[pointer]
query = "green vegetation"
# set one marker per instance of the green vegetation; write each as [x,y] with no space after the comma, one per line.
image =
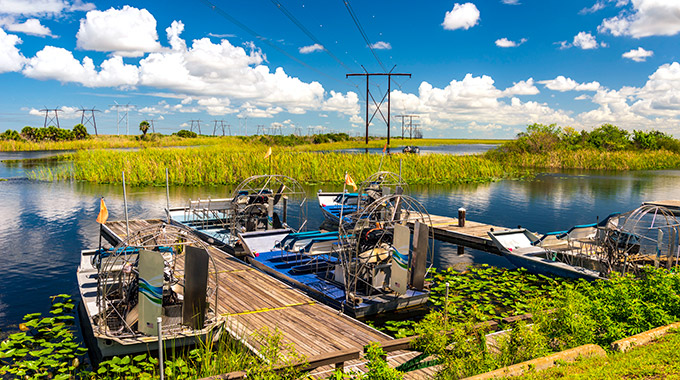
[660,359]
[11,135]
[230,164]
[605,148]
[45,347]
[186,134]
[565,315]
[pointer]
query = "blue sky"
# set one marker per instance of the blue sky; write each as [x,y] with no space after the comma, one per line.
[478,69]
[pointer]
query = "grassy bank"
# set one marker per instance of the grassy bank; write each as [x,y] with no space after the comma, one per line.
[231,164]
[111,142]
[590,159]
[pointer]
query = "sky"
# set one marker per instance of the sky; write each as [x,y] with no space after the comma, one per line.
[478,69]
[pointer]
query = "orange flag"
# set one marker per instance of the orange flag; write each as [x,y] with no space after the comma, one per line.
[103,212]
[350,182]
[385,147]
[269,153]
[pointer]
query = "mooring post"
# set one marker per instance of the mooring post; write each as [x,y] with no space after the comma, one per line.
[159,322]
[127,221]
[167,193]
[461,217]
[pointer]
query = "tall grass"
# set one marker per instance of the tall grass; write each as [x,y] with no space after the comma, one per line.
[111,141]
[231,164]
[591,159]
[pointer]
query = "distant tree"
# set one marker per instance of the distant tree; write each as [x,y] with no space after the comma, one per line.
[80,132]
[144,127]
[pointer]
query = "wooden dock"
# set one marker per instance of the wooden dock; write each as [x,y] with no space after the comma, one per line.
[473,234]
[253,302]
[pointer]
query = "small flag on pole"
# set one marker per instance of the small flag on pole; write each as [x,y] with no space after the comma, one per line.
[350,182]
[269,153]
[385,147]
[103,212]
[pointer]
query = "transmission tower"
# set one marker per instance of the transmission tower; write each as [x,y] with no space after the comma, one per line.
[369,96]
[221,126]
[243,122]
[124,108]
[153,128]
[198,125]
[261,130]
[49,119]
[408,126]
[298,131]
[84,120]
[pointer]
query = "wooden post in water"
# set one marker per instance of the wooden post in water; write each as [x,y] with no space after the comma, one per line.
[167,193]
[159,322]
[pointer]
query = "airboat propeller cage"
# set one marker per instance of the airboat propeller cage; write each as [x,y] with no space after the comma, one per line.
[163,270]
[262,202]
[387,246]
[380,184]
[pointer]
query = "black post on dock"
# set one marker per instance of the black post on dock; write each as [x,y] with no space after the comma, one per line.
[461,223]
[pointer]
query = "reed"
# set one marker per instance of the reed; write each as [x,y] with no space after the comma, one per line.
[591,159]
[230,164]
[112,142]
[394,143]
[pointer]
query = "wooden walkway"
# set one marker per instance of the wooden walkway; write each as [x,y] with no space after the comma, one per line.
[473,235]
[253,302]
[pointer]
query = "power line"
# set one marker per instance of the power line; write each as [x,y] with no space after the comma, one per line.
[84,120]
[363,33]
[233,20]
[307,32]
[49,119]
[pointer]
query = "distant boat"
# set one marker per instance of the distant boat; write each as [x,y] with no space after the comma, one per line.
[411,149]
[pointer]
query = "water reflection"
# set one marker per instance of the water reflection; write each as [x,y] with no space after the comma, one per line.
[45,225]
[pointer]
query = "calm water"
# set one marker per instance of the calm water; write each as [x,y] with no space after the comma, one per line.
[44,225]
[454,149]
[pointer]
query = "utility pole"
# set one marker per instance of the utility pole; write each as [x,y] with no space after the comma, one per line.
[198,124]
[49,119]
[221,126]
[410,125]
[377,105]
[153,127]
[84,120]
[125,108]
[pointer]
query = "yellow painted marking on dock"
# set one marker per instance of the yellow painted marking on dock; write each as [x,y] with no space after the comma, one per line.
[268,309]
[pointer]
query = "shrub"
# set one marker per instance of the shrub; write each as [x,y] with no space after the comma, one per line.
[10,134]
[608,137]
[186,134]
[80,132]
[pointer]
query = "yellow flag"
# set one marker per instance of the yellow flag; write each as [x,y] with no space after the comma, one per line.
[103,212]
[350,182]
[269,153]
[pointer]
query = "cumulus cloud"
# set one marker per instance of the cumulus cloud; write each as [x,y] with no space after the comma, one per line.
[31,26]
[10,57]
[310,49]
[525,87]
[585,41]
[382,45]
[645,18]
[347,104]
[510,2]
[59,64]
[505,43]
[563,84]
[128,32]
[638,55]
[42,7]
[462,16]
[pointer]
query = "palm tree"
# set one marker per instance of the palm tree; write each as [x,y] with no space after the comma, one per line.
[144,127]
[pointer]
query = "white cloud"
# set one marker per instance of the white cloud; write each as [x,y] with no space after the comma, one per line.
[311,48]
[462,16]
[505,43]
[522,88]
[80,5]
[510,2]
[596,7]
[382,45]
[646,18]
[31,26]
[128,32]
[585,41]
[347,104]
[32,7]
[10,57]
[563,84]
[638,55]
[59,64]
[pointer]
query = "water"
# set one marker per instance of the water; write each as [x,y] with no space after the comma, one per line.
[45,225]
[453,149]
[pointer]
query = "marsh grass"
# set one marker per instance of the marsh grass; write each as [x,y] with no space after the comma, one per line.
[230,164]
[112,142]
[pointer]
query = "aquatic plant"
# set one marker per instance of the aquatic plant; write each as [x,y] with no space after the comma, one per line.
[45,347]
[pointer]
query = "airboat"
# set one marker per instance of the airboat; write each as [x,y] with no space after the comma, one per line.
[623,243]
[373,263]
[162,271]
[333,204]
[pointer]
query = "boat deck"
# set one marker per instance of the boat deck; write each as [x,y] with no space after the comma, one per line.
[473,234]
[253,302]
